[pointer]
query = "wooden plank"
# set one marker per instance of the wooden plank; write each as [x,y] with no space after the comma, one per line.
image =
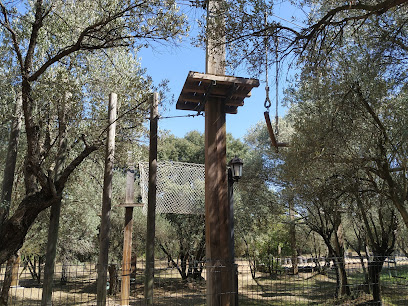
[270,130]
[215,91]
[198,98]
[276,144]
[223,79]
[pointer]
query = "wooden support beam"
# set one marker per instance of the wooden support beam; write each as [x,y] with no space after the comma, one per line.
[127,235]
[220,279]
[106,203]
[151,206]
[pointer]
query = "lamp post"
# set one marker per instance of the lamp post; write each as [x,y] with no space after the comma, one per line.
[234,174]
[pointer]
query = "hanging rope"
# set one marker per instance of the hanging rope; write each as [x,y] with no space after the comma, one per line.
[267,103]
[276,84]
[272,134]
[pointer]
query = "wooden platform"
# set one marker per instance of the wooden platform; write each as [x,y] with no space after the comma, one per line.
[199,87]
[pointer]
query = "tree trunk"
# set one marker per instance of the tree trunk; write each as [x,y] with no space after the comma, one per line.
[15,228]
[7,280]
[343,289]
[183,270]
[366,278]
[8,181]
[374,269]
[10,163]
[51,254]
[292,233]
[55,209]
[113,279]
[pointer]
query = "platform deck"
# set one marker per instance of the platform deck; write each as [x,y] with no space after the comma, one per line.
[199,87]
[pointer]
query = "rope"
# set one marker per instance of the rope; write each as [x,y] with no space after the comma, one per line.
[276,85]
[267,103]
[182,116]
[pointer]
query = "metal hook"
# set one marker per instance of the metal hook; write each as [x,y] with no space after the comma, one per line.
[267,103]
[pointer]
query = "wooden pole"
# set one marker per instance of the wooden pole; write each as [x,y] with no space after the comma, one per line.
[127,236]
[151,206]
[220,277]
[106,203]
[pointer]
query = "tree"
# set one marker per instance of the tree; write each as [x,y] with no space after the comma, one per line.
[347,131]
[380,225]
[44,36]
[260,223]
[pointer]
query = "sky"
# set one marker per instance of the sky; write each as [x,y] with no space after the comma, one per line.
[174,63]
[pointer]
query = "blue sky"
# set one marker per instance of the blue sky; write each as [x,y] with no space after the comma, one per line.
[174,63]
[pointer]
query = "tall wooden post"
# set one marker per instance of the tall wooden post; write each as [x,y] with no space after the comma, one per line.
[151,206]
[218,94]
[127,236]
[217,214]
[106,203]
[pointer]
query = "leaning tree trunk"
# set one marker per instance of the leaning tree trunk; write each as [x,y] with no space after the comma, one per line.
[10,163]
[7,280]
[7,187]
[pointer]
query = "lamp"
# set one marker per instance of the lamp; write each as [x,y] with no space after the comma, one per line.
[236,168]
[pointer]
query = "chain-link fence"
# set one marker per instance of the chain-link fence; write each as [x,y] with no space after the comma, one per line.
[315,283]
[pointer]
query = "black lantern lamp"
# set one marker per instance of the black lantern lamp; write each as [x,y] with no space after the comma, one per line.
[236,168]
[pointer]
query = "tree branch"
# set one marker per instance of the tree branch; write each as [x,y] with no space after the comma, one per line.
[7,25]
[60,183]
[37,24]
[79,44]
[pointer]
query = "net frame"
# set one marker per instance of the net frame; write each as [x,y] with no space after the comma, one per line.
[180,187]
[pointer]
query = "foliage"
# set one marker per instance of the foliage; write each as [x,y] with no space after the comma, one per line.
[65,58]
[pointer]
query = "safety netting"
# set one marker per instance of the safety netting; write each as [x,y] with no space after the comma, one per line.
[180,187]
